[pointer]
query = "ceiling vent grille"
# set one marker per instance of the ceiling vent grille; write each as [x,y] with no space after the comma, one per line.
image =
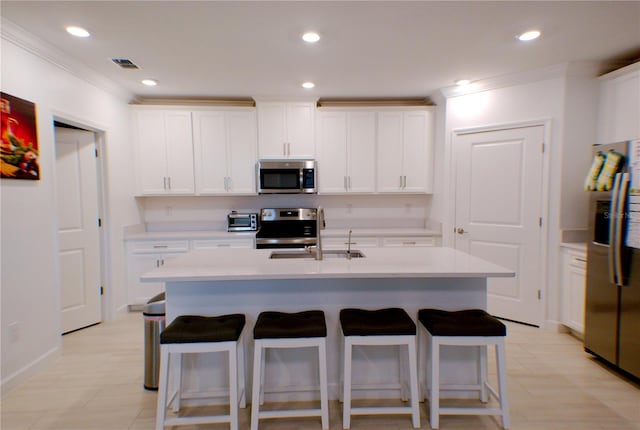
[125,63]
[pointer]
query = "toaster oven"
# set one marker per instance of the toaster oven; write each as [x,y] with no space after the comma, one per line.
[242,221]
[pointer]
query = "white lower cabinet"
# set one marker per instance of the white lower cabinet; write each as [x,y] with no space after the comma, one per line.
[356,242]
[408,241]
[244,242]
[144,256]
[574,268]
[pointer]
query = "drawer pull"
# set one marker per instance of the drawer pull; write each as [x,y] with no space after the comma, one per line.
[223,245]
[582,260]
[160,246]
[409,243]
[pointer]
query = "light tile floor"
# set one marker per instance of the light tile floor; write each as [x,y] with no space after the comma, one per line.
[97,385]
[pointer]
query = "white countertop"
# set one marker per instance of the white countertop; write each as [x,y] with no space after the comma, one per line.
[255,264]
[577,246]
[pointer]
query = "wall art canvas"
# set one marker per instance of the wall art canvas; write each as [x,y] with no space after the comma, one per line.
[19,133]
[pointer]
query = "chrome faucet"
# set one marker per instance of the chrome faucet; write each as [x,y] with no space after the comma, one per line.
[349,245]
[320,224]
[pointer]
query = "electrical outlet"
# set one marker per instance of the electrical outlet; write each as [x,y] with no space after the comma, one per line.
[14,333]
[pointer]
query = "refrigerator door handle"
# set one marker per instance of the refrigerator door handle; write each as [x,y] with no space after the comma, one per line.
[613,226]
[620,219]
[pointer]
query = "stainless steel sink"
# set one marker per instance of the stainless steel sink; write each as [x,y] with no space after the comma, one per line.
[327,254]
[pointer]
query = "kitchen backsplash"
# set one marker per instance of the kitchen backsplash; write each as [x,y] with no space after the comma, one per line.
[374,211]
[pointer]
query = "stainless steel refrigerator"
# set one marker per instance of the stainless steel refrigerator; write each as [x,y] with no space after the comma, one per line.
[612,313]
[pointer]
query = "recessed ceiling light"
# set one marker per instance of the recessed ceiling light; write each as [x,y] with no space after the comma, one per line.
[463,82]
[150,82]
[308,85]
[311,37]
[78,31]
[529,35]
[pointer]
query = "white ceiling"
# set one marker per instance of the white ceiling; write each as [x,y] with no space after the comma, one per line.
[368,49]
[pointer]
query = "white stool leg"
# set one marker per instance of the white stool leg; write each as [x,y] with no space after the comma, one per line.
[177,380]
[255,393]
[434,397]
[163,386]
[482,373]
[413,383]
[502,383]
[341,367]
[346,406]
[422,386]
[402,372]
[263,361]
[324,396]
[233,387]
[242,387]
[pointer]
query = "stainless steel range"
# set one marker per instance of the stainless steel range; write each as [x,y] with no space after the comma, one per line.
[287,228]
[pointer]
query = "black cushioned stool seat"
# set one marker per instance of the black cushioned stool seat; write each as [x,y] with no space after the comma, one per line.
[388,327]
[282,325]
[195,329]
[195,334]
[473,328]
[306,329]
[469,322]
[381,322]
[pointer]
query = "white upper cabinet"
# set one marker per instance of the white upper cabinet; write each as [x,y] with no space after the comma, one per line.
[285,129]
[164,152]
[225,146]
[619,105]
[346,152]
[405,151]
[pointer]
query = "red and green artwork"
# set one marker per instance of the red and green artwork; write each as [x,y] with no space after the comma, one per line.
[19,144]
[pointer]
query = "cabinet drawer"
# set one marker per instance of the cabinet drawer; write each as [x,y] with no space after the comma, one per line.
[223,243]
[408,241]
[577,260]
[356,242]
[153,246]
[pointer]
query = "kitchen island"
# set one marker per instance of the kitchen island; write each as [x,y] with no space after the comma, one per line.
[222,281]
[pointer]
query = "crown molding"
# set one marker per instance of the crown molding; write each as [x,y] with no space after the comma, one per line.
[20,37]
[374,102]
[494,83]
[195,101]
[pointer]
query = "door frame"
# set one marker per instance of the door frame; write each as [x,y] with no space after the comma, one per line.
[448,234]
[105,270]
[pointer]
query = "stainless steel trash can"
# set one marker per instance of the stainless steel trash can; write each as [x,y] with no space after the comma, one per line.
[153,314]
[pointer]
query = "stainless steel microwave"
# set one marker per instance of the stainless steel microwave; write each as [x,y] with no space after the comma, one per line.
[286,177]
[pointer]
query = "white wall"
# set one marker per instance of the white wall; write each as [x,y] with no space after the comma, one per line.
[30,289]
[564,100]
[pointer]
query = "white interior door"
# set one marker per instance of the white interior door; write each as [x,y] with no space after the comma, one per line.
[78,234]
[498,214]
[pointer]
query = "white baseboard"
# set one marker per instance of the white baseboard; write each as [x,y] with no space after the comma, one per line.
[27,371]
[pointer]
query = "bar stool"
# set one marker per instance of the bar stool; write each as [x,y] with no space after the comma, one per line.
[192,334]
[288,330]
[383,327]
[472,327]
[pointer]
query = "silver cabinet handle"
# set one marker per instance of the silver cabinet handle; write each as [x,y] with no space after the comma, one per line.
[400,181]
[288,149]
[349,182]
[164,182]
[404,182]
[169,181]
[228,183]
[344,182]
[160,246]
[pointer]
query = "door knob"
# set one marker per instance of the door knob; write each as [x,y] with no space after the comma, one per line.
[460,230]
